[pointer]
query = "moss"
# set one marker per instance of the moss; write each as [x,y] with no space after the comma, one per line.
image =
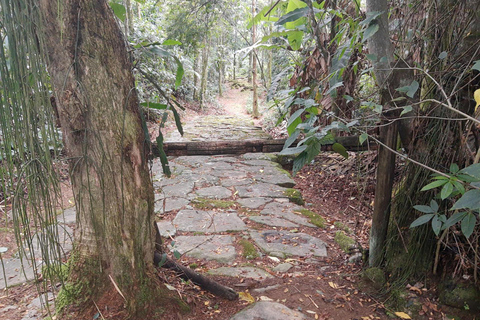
[249,251]
[344,241]
[294,196]
[205,203]
[460,295]
[193,266]
[341,226]
[315,219]
[198,233]
[374,277]
[55,272]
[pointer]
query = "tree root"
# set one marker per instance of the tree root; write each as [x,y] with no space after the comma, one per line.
[188,274]
[204,282]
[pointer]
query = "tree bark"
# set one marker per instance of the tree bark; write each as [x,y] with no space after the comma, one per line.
[255,113]
[203,84]
[104,140]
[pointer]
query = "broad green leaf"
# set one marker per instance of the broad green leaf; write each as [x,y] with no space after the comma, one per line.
[170,42]
[163,155]
[338,148]
[294,150]
[435,184]
[454,168]
[398,99]
[295,39]
[293,15]
[454,219]
[442,55]
[424,209]
[299,162]
[470,200]
[370,31]
[413,89]
[178,122]
[467,178]
[434,205]
[472,170]
[294,121]
[370,17]
[176,254]
[180,73]
[468,224]
[348,98]
[446,190]
[460,188]
[371,57]
[261,17]
[119,10]
[476,65]
[406,109]
[363,137]
[422,220]
[291,139]
[335,86]
[436,224]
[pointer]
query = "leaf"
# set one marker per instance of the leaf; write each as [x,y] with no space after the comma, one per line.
[153,105]
[446,190]
[454,219]
[178,122]
[299,162]
[338,148]
[476,65]
[294,150]
[435,184]
[119,10]
[468,224]
[370,31]
[454,168]
[180,73]
[176,254]
[291,139]
[293,16]
[371,57]
[413,89]
[442,55]
[333,285]
[171,42]
[245,296]
[3,249]
[363,137]
[424,209]
[470,200]
[472,170]
[421,220]
[460,188]
[434,205]
[436,224]
[406,109]
[402,315]
[163,155]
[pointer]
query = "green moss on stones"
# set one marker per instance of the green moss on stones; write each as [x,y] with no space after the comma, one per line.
[315,219]
[344,241]
[249,251]
[374,277]
[460,295]
[294,196]
[341,226]
[206,204]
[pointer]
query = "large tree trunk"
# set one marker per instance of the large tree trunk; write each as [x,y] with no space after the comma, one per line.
[204,80]
[255,113]
[103,136]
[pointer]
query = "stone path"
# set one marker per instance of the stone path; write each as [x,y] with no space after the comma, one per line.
[211,204]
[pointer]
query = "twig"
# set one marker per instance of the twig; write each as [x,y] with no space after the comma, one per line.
[270,10]
[313,301]
[116,287]
[100,312]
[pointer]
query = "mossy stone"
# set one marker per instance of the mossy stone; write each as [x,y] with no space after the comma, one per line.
[315,219]
[375,277]
[249,251]
[204,203]
[294,196]
[460,294]
[345,242]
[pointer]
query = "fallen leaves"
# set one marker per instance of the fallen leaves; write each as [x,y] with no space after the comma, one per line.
[245,296]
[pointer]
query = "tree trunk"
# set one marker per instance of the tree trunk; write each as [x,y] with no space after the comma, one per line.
[255,113]
[380,46]
[195,94]
[103,136]
[128,18]
[203,84]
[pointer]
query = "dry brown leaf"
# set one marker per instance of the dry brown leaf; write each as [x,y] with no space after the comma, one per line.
[402,315]
[245,296]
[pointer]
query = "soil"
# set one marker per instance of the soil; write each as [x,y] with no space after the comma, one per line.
[340,190]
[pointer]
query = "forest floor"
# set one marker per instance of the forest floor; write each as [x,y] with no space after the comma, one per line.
[332,287]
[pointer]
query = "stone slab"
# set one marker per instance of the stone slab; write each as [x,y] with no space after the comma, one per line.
[286,210]
[215,192]
[179,190]
[253,203]
[273,221]
[166,228]
[289,244]
[208,221]
[171,204]
[266,310]
[261,190]
[241,272]
[280,179]
[216,247]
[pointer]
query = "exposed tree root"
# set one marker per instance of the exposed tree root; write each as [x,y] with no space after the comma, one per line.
[188,274]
